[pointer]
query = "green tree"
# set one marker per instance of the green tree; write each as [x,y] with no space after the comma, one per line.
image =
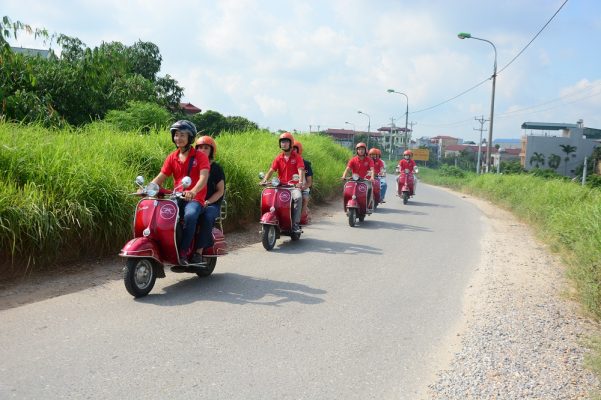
[209,123]
[139,116]
[169,93]
[239,124]
[554,161]
[568,149]
[145,59]
[538,159]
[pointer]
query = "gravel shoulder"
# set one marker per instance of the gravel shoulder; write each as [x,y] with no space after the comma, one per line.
[523,335]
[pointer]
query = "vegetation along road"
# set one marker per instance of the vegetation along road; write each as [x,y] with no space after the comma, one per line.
[391,309]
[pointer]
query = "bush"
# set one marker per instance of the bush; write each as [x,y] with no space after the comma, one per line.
[446,170]
[594,181]
[140,117]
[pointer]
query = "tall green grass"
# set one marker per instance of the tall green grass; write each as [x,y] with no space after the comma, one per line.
[564,214]
[64,194]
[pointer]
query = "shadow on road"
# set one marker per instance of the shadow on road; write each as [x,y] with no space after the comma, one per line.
[397,227]
[423,204]
[325,246]
[234,289]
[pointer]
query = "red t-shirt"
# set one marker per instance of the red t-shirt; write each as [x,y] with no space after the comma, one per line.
[179,169]
[360,167]
[406,164]
[287,168]
[379,166]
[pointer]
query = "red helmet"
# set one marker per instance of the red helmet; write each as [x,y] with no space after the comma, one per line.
[360,144]
[210,141]
[407,153]
[286,136]
[299,147]
[373,151]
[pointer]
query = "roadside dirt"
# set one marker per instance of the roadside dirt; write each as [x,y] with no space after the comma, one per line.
[75,277]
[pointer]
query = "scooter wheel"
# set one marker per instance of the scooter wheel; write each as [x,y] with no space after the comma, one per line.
[405,197]
[269,237]
[209,268]
[139,276]
[352,217]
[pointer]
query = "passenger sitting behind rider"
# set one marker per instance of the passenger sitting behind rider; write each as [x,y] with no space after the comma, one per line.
[298,147]
[362,166]
[288,164]
[379,170]
[215,193]
[186,161]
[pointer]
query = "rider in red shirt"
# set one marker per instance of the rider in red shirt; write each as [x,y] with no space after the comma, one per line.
[379,171]
[290,167]
[407,163]
[362,166]
[186,161]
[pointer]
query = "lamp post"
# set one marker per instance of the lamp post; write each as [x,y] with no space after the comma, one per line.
[354,133]
[406,115]
[368,126]
[464,35]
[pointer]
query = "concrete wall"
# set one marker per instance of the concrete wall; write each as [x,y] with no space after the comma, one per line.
[548,146]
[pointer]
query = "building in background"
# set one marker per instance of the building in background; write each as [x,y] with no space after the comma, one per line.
[560,147]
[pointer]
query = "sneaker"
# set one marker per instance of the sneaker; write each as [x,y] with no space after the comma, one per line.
[195,259]
[383,201]
[296,228]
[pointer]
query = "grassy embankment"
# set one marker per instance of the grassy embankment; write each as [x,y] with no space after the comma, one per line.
[564,214]
[65,194]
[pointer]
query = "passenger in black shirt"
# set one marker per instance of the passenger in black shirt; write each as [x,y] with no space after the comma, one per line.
[215,193]
[306,191]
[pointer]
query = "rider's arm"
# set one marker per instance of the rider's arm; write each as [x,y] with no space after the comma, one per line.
[204,177]
[372,173]
[219,190]
[345,172]
[268,175]
[160,179]
[309,181]
[301,173]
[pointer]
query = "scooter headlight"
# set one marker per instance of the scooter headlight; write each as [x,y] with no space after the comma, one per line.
[152,189]
[355,177]
[275,182]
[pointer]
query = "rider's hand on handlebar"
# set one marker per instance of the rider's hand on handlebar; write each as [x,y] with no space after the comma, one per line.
[189,195]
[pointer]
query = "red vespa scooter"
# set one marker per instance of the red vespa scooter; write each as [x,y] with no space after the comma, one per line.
[354,199]
[406,184]
[156,229]
[276,212]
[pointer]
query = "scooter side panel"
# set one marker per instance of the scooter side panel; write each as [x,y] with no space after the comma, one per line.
[165,222]
[283,208]
[219,247]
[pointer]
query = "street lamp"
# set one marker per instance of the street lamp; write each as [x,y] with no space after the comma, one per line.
[406,115]
[368,125]
[464,35]
[354,132]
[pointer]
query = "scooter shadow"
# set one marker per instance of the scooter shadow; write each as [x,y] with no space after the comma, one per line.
[325,246]
[397,211]
[235,289]
[423,204]
[398,227]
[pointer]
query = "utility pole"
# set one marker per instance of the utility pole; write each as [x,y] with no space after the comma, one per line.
[411,130]
[482,121]
[391,136]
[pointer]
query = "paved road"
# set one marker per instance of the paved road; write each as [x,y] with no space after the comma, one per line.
[344,313]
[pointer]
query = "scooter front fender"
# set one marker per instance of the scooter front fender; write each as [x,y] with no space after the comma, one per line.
[140,247]
[352,203]
[269,218]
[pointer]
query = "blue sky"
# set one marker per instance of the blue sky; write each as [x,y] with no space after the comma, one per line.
[303,64]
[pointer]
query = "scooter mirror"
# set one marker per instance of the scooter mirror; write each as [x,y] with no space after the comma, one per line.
[261,175]
[139,180]
[186,182]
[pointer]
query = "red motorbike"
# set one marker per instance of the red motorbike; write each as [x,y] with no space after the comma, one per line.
[276,213]
[157,226]
[354,199]
[406,183]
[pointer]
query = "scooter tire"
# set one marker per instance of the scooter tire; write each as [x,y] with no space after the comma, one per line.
[209,268]
[352,217]
[405,197]
[139,276]
[361,218]
[269,237]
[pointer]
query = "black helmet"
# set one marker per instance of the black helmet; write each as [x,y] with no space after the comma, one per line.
[184,126]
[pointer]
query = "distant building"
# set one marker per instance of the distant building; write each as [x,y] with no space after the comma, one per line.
[346,137]
[561,147]
[507,143]
[189,108]
[32,52]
